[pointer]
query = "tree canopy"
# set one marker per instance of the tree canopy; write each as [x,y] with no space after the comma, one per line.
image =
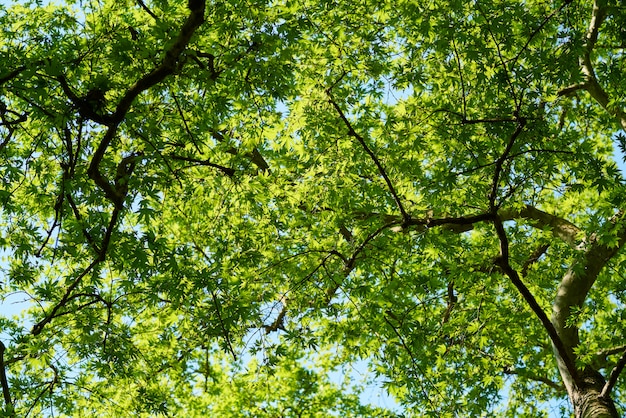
[220,208]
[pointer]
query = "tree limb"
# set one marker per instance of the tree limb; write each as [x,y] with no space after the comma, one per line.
[167,67]
[591,85]
[39,326]
[534,257]
[574,288]
[600,360]
[608,386]
[562,352]
[560,227]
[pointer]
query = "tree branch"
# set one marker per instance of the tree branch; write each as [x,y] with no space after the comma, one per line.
[39,326]
[503,262]
[600,360]
[534,257]
[531,376]
[608,386]
[575,286]
[493,194]
[167,67]
[226,170]
[560,227]
[591,85]
[381,169]
[6,394]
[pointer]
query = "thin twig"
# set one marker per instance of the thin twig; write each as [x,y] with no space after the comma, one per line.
[539,28]
[381,169]
[499,163]
[224,330]
[458,63]
[226,170]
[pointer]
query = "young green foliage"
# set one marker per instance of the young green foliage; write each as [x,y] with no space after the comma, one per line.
[213,208]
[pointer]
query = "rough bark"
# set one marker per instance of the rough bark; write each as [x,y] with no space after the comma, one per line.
[587,400]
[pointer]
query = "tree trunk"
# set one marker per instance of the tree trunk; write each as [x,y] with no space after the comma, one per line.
[587,401]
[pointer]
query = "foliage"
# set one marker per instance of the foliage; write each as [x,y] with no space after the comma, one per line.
[214,207]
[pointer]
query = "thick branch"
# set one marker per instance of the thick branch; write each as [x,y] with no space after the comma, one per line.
[561,228]
[574,288]
[167,67]
[600,360]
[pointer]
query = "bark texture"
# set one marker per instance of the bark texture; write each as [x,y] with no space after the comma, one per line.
[587,400]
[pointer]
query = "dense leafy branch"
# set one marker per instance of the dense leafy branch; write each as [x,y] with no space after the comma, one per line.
[161,304]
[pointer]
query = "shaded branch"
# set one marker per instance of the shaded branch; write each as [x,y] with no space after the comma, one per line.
[254,156]
[539,28]
[279,322]
[534,257]
[39,326]
[67,296]
[11,75]
[412,357]
[147,10]
[223,326]
[79,218]
[451,302]
[493,194]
